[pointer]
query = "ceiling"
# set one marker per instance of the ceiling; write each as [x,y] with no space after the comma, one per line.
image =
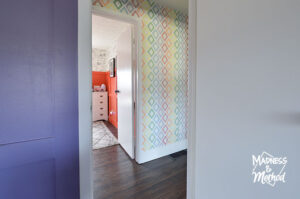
[181,5]
[106,31]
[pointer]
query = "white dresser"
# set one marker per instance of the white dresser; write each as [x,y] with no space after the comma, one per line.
[100,106]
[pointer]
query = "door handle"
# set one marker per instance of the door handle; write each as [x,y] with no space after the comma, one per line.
[117,91]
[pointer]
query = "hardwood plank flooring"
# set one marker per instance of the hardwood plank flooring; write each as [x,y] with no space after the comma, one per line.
[116,176]
[112,128]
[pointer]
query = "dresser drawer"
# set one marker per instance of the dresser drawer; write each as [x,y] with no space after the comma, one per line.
[100,95]
[100,106]
[100,109]
[100,103]
[101,115]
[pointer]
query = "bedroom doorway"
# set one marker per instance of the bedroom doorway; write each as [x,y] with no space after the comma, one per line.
[113,84]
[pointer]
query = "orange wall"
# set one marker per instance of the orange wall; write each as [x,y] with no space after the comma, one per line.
[99,78]
[112,100]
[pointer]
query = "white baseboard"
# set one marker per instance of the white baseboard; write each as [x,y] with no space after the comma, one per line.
[146,156]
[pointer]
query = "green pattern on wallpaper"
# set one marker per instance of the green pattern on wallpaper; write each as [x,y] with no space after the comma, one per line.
[164,69]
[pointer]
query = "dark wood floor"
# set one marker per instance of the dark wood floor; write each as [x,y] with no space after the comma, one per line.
[112,128]
[118,177]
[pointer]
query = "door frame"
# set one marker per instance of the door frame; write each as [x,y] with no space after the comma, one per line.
[85,99]
[136,69]
[85,12]
[192,171]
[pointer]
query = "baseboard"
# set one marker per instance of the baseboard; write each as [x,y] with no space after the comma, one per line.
[146,156]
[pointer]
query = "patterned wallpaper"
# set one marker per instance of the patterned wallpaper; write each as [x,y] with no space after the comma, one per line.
[99,60]
[164,69]
[101,57]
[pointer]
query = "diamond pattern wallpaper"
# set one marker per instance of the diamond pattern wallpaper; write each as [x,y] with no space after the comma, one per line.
[164,69]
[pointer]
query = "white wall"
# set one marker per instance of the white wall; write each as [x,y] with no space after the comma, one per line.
[248,96]
[112,52]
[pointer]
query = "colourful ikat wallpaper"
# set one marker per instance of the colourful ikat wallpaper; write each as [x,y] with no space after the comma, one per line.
[164,69]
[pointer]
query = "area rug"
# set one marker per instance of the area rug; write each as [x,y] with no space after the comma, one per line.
[102,136]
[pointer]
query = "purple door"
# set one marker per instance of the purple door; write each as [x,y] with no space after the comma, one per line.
[38,100]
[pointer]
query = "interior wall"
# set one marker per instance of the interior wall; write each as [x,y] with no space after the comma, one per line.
[39,152]
[100,59]
[100,78]
[112,99]
[101,75]
[247,96]
[163,123]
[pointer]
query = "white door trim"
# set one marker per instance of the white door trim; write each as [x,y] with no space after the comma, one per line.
[192,146]
[85,98]
[137,89]
[85,11]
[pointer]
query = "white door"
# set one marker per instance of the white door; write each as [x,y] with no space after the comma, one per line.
[125,91]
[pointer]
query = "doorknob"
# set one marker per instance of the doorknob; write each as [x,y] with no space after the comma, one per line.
[117,91]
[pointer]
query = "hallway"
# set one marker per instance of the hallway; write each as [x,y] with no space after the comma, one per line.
[118,177]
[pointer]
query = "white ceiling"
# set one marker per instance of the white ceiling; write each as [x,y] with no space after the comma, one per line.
[106,31]
[182,5]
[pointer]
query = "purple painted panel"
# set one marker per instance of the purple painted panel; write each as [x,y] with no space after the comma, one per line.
[26,54]
[38,100]
[33,181]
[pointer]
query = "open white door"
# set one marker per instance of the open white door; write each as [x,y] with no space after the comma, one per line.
[125,92]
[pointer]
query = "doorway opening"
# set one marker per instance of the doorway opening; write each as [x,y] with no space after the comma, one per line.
[113,83]
[116,173]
